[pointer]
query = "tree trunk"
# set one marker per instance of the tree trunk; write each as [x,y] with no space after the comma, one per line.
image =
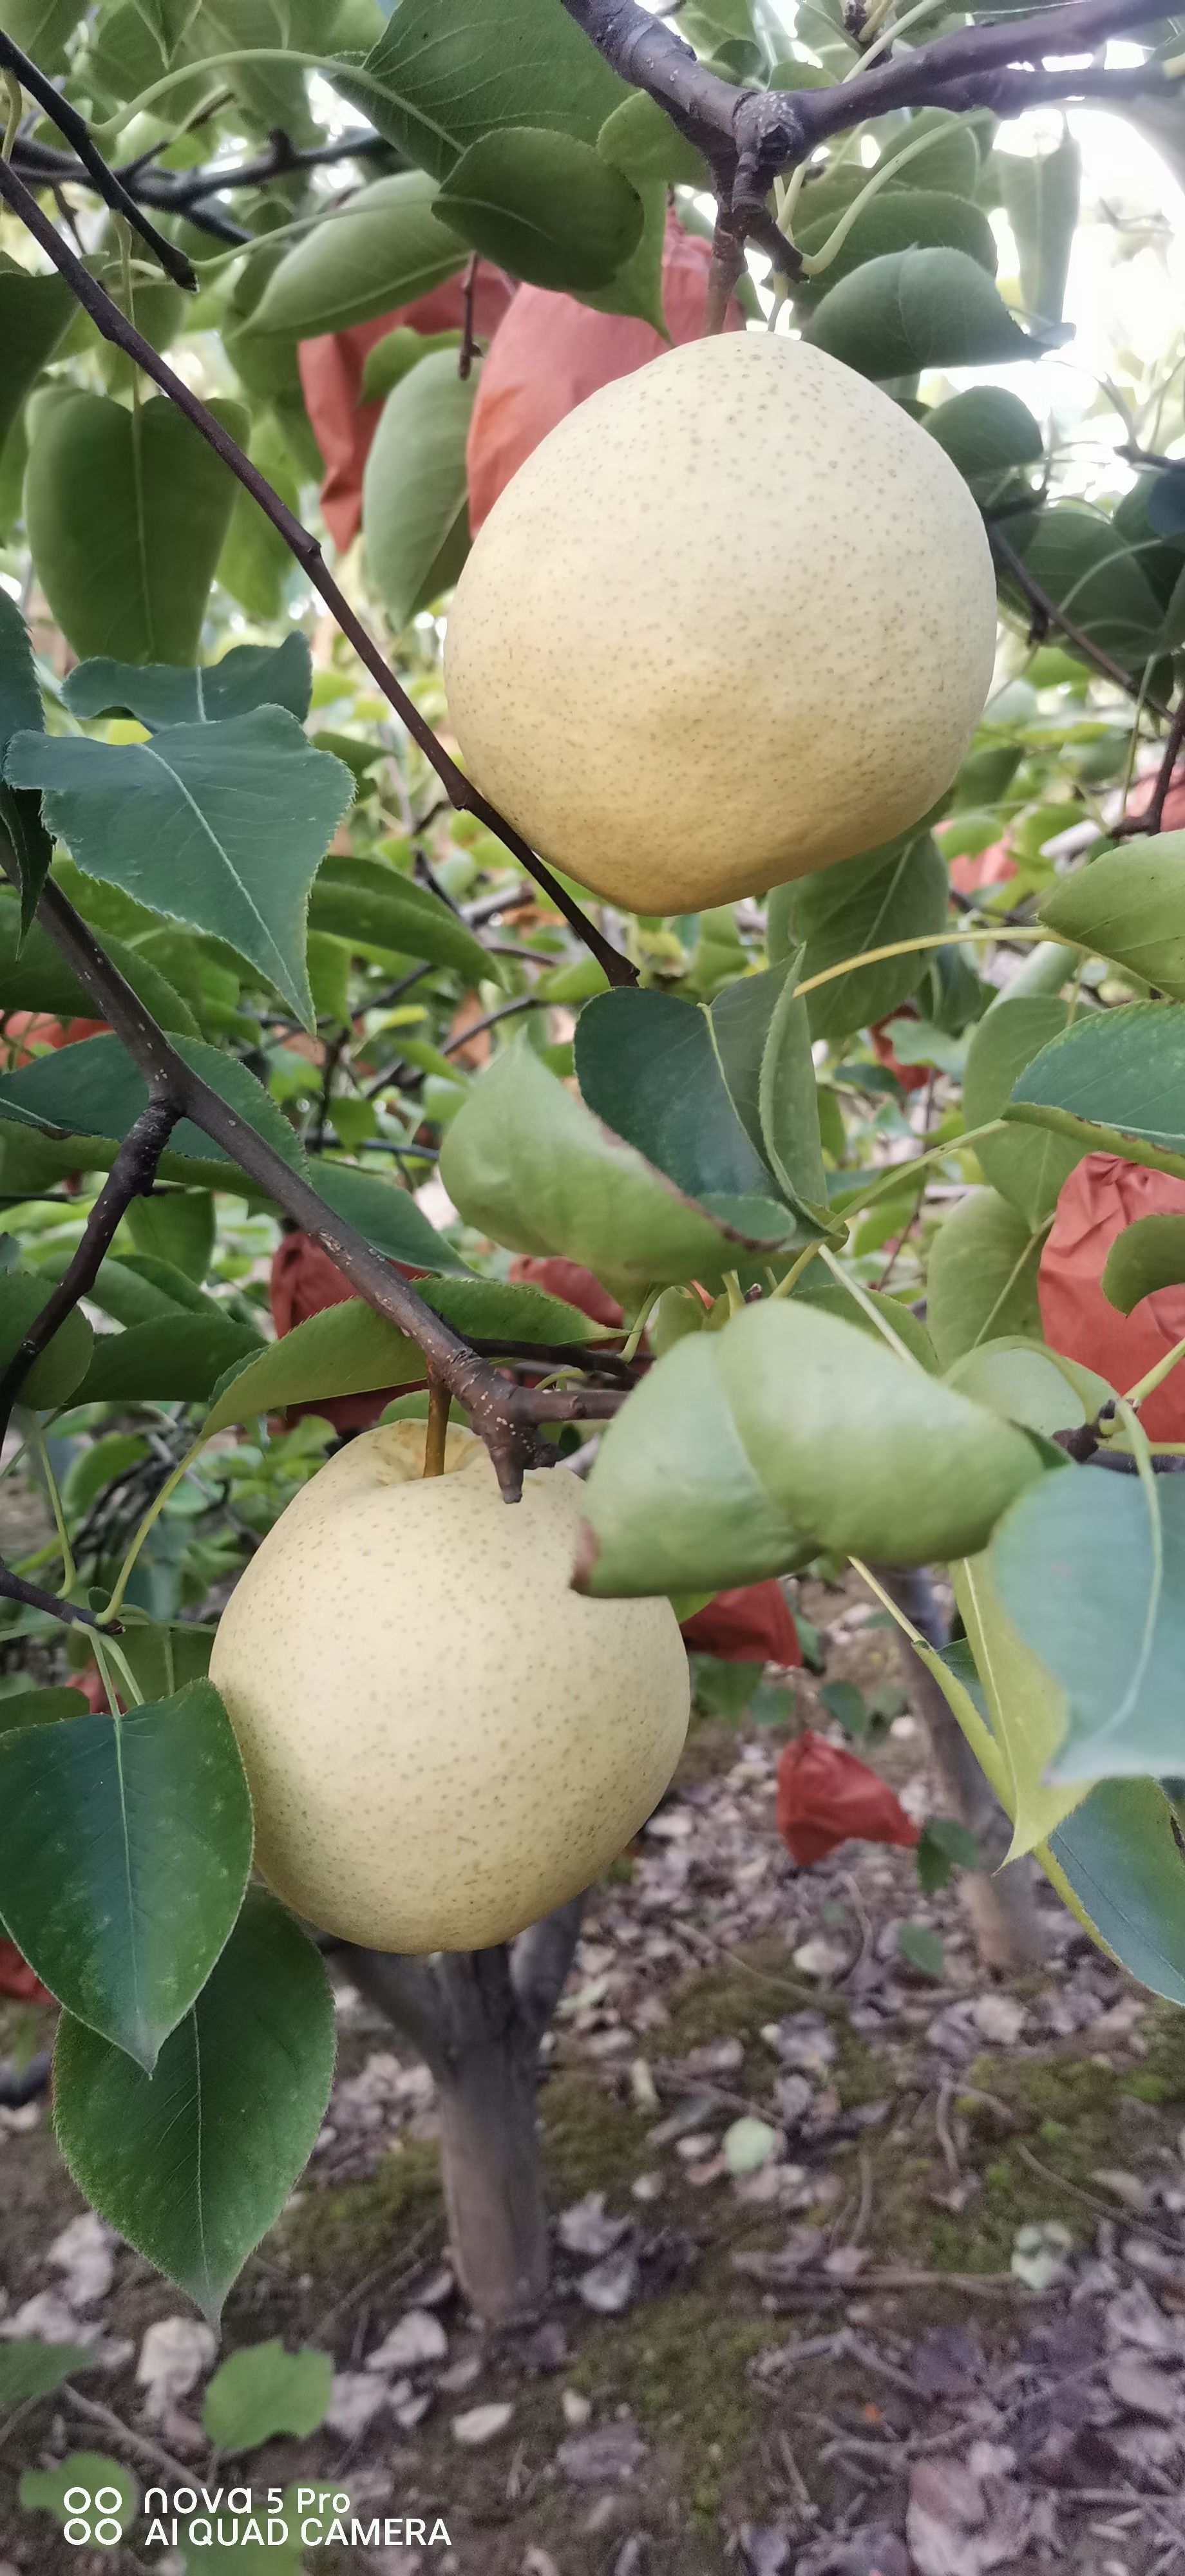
[477,2017]
[1001,1902]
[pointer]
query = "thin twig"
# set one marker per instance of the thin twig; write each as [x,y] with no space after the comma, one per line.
[469,349]
[141,2443]
[1152,820]
[13,1587]
[102,178]
[1048,610]
[130,1175]
[115,327]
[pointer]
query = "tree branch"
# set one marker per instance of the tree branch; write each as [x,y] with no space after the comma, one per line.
[467,799]
[13,1587]
[756,133]
[185,192]
[539,1963]
[102,178]
[131,1173]
[501,1412]
[1051,615]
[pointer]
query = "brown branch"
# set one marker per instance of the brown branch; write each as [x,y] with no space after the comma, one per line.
[1051,615]
[759,132]
[115,326]
[469,349]
[1153,819]
[102,178]
[13,1587]
[132,1172]
[501,1412]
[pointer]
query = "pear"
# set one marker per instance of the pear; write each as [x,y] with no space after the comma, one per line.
[732,621]
[443,1741]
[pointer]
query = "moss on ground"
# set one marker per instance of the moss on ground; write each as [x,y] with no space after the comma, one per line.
[342,2230]
[682,2368]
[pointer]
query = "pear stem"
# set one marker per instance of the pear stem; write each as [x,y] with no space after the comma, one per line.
[438,1412]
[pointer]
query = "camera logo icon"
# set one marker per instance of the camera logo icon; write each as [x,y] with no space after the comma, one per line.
[94,2519]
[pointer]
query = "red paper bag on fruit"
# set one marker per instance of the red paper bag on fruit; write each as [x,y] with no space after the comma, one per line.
[1103,1194]
[826,1797]
[17,1978]
[331,375]
[551,353]
[751,1625]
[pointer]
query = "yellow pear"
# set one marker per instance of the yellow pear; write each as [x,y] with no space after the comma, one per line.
[443,1741]
[733,620]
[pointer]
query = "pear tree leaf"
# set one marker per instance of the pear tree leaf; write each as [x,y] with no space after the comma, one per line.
[1027,1712]
[549,208]
[62,1365]
[46,2491]
[223,826]
[249,676]
[646,1066]
[538,1171]
[30,2368]
[262,2391]
[1126,1878]
[1114,1083]
[374,906]
[95,1089]
[35,314]
[643,141]
[415,494]
[443,75]
[194,2163]
[790,1424]
[1094,1581]
[1028,1167]
[912,309]
[1129,906]
[20,709]
[1147,1256]
[179,1358]
[123,1881]
[162,499]
[900,891]
[982,1278]
[762,1039]
[385,248]
[1041,195]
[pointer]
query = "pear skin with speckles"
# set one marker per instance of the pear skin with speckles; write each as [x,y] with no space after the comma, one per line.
[732,621]
[443,1741]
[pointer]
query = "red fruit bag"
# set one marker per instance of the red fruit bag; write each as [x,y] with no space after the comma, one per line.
[304,1281]
[752,1625]
[826,1797]
[571,1281]
[331,375]
[551,353]
[17,1978]
[47,1031]
[1103,1195]
[912,1077]
[992,867]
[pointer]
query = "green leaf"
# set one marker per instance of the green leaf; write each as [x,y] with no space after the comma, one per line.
[20,708]
[1028,1383]
[923,1948]
[1041,201]
[1026,1710]
[46,2491]
[1076,555]
[249,676]
[386,247]
[982,1280]
[952,160]
[221,826]
[1028,1167]
[992,437]
[898,219]
[443,74]
[535,1169]
[1125,1869]
[945,1846]
[255,565]
[386,1215]
[415,495]
[162,499]
[138,1289]
[193,2163]
[901,891]
[63,1364]
[33,2369]
[393,358]
[646,1065]
[762,1038]
[164,1656]
[123,1882]
[91,1471]
[94,1089]
[38,1708]
[788,1425]
[35,313]
[42,28]
[177,1228]
[1147,1256]
[33,977]
[1129,906]
[179,1358]
[1094,1580]
[377,907]
[834,1297]
[1115,1083]
[550,209]
[263,2391]
[351,1350]
[643,141]
[914,309]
